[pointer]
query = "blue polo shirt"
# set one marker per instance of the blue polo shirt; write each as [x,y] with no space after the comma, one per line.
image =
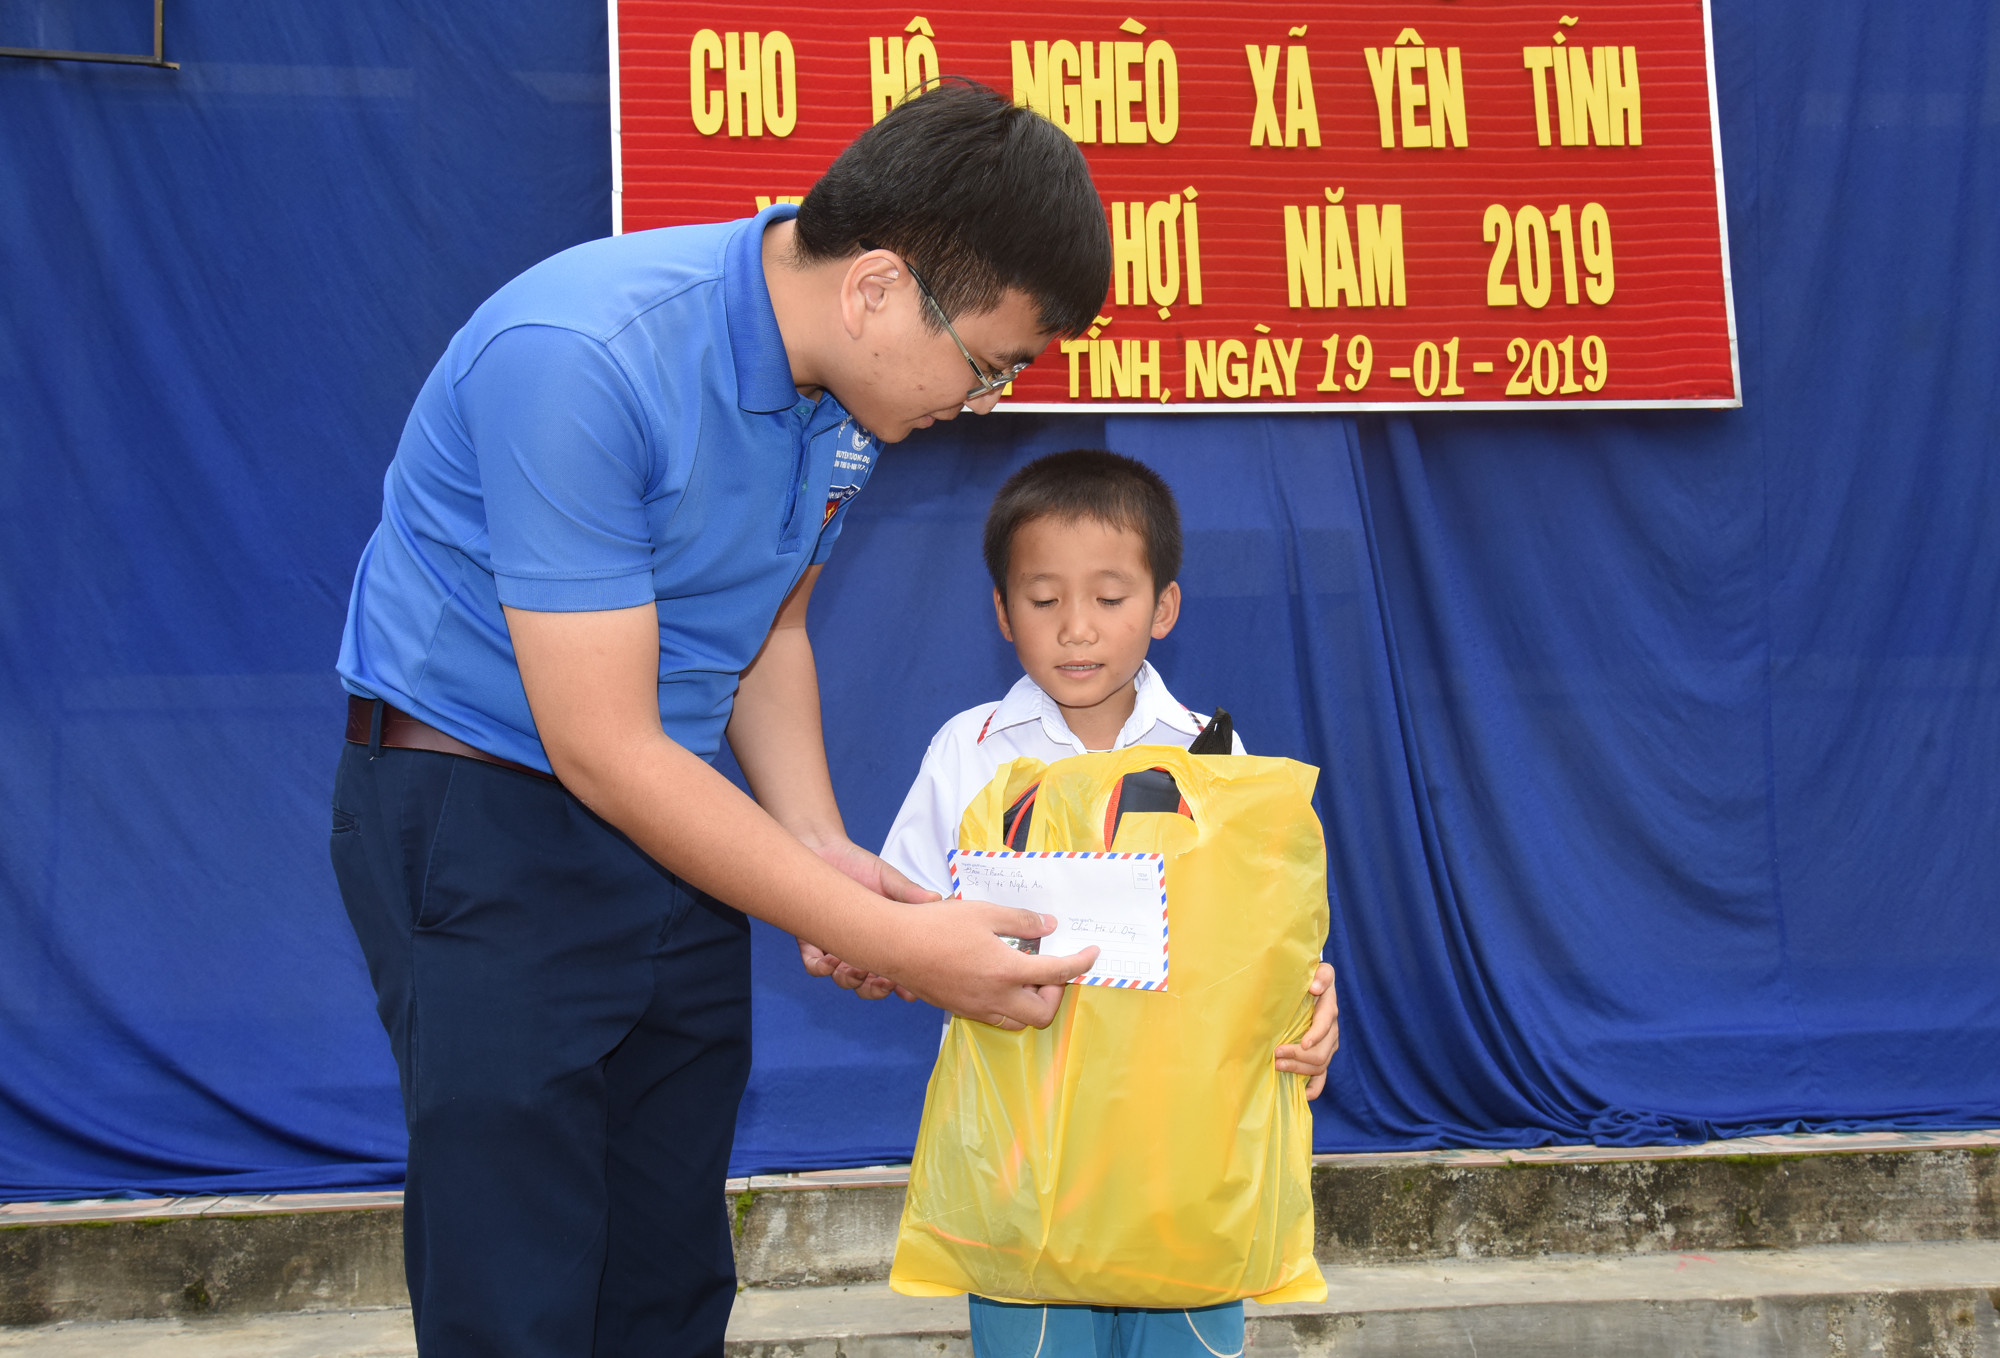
[616,426]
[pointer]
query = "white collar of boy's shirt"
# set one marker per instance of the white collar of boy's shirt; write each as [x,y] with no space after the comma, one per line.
[1152,705]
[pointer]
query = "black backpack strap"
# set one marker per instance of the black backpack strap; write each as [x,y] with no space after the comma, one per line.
[1145,790]
[1218,737]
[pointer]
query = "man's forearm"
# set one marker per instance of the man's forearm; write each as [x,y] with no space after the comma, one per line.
[592,681]
[695,823]
[587,681]
[776,735]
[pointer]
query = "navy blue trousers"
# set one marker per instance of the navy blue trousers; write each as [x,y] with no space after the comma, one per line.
[571,1024]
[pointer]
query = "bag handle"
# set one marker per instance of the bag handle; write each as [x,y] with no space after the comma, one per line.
[1218,737]
[1149,790]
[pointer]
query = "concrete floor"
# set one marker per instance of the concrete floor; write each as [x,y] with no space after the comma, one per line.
[1919,1300]
[358,1334]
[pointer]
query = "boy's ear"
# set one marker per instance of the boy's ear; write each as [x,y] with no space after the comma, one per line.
[1167,610]
[1000,616]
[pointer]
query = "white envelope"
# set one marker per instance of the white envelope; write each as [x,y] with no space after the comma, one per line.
[1116,901]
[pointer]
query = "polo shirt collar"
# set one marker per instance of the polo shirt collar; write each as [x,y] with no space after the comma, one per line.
[1152,704]
[1155,704]
[763,371]
[1024,703]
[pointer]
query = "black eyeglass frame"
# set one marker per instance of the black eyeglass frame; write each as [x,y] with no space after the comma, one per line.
[987,384]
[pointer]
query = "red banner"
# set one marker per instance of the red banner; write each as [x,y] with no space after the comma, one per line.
[1351,206]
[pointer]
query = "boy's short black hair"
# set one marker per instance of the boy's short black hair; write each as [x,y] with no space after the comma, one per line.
[1087,483]
[977,193]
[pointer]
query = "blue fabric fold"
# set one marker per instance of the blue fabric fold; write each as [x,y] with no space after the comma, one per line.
[1658,749]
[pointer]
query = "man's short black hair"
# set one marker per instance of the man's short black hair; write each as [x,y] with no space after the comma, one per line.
[977,193]
[1087,483]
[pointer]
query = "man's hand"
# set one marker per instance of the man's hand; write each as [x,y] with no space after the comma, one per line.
[879,877]
[1313,1052]
[882,879]
[956,941]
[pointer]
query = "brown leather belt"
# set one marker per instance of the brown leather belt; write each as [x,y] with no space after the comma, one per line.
[401,731]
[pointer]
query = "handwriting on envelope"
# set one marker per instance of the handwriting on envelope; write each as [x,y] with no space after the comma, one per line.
[1116,902]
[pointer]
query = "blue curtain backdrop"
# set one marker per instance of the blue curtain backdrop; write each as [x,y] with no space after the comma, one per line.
[1660,751]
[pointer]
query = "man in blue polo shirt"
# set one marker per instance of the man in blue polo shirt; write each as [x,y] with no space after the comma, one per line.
[599,535]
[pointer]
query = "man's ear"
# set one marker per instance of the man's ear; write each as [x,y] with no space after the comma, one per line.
[1167,610]
[1000,616]
[867,288]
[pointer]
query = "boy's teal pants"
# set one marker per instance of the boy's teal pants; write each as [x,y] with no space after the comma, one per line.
[1003,1330]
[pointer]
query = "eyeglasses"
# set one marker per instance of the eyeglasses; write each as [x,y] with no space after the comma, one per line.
[988,383]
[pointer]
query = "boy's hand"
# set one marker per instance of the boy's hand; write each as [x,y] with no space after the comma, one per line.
[871,872]
[1311,1054]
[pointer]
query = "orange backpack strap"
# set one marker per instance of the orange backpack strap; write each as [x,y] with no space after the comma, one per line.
[1019,817]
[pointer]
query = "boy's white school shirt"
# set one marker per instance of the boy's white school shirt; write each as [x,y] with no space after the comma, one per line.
[970,748]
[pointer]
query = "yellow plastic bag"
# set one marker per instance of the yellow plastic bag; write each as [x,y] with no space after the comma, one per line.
[1140,1150]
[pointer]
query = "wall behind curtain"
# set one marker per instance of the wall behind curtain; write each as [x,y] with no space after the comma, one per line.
[1658,750]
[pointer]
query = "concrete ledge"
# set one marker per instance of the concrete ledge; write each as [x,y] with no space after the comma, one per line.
[204,1257]
[1762,1193]
[196,1265]
[1384,1213]
[795,1231]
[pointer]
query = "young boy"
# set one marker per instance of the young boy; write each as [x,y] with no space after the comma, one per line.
[1084,549]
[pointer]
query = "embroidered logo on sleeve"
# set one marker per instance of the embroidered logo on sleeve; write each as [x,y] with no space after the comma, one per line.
[852,462]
